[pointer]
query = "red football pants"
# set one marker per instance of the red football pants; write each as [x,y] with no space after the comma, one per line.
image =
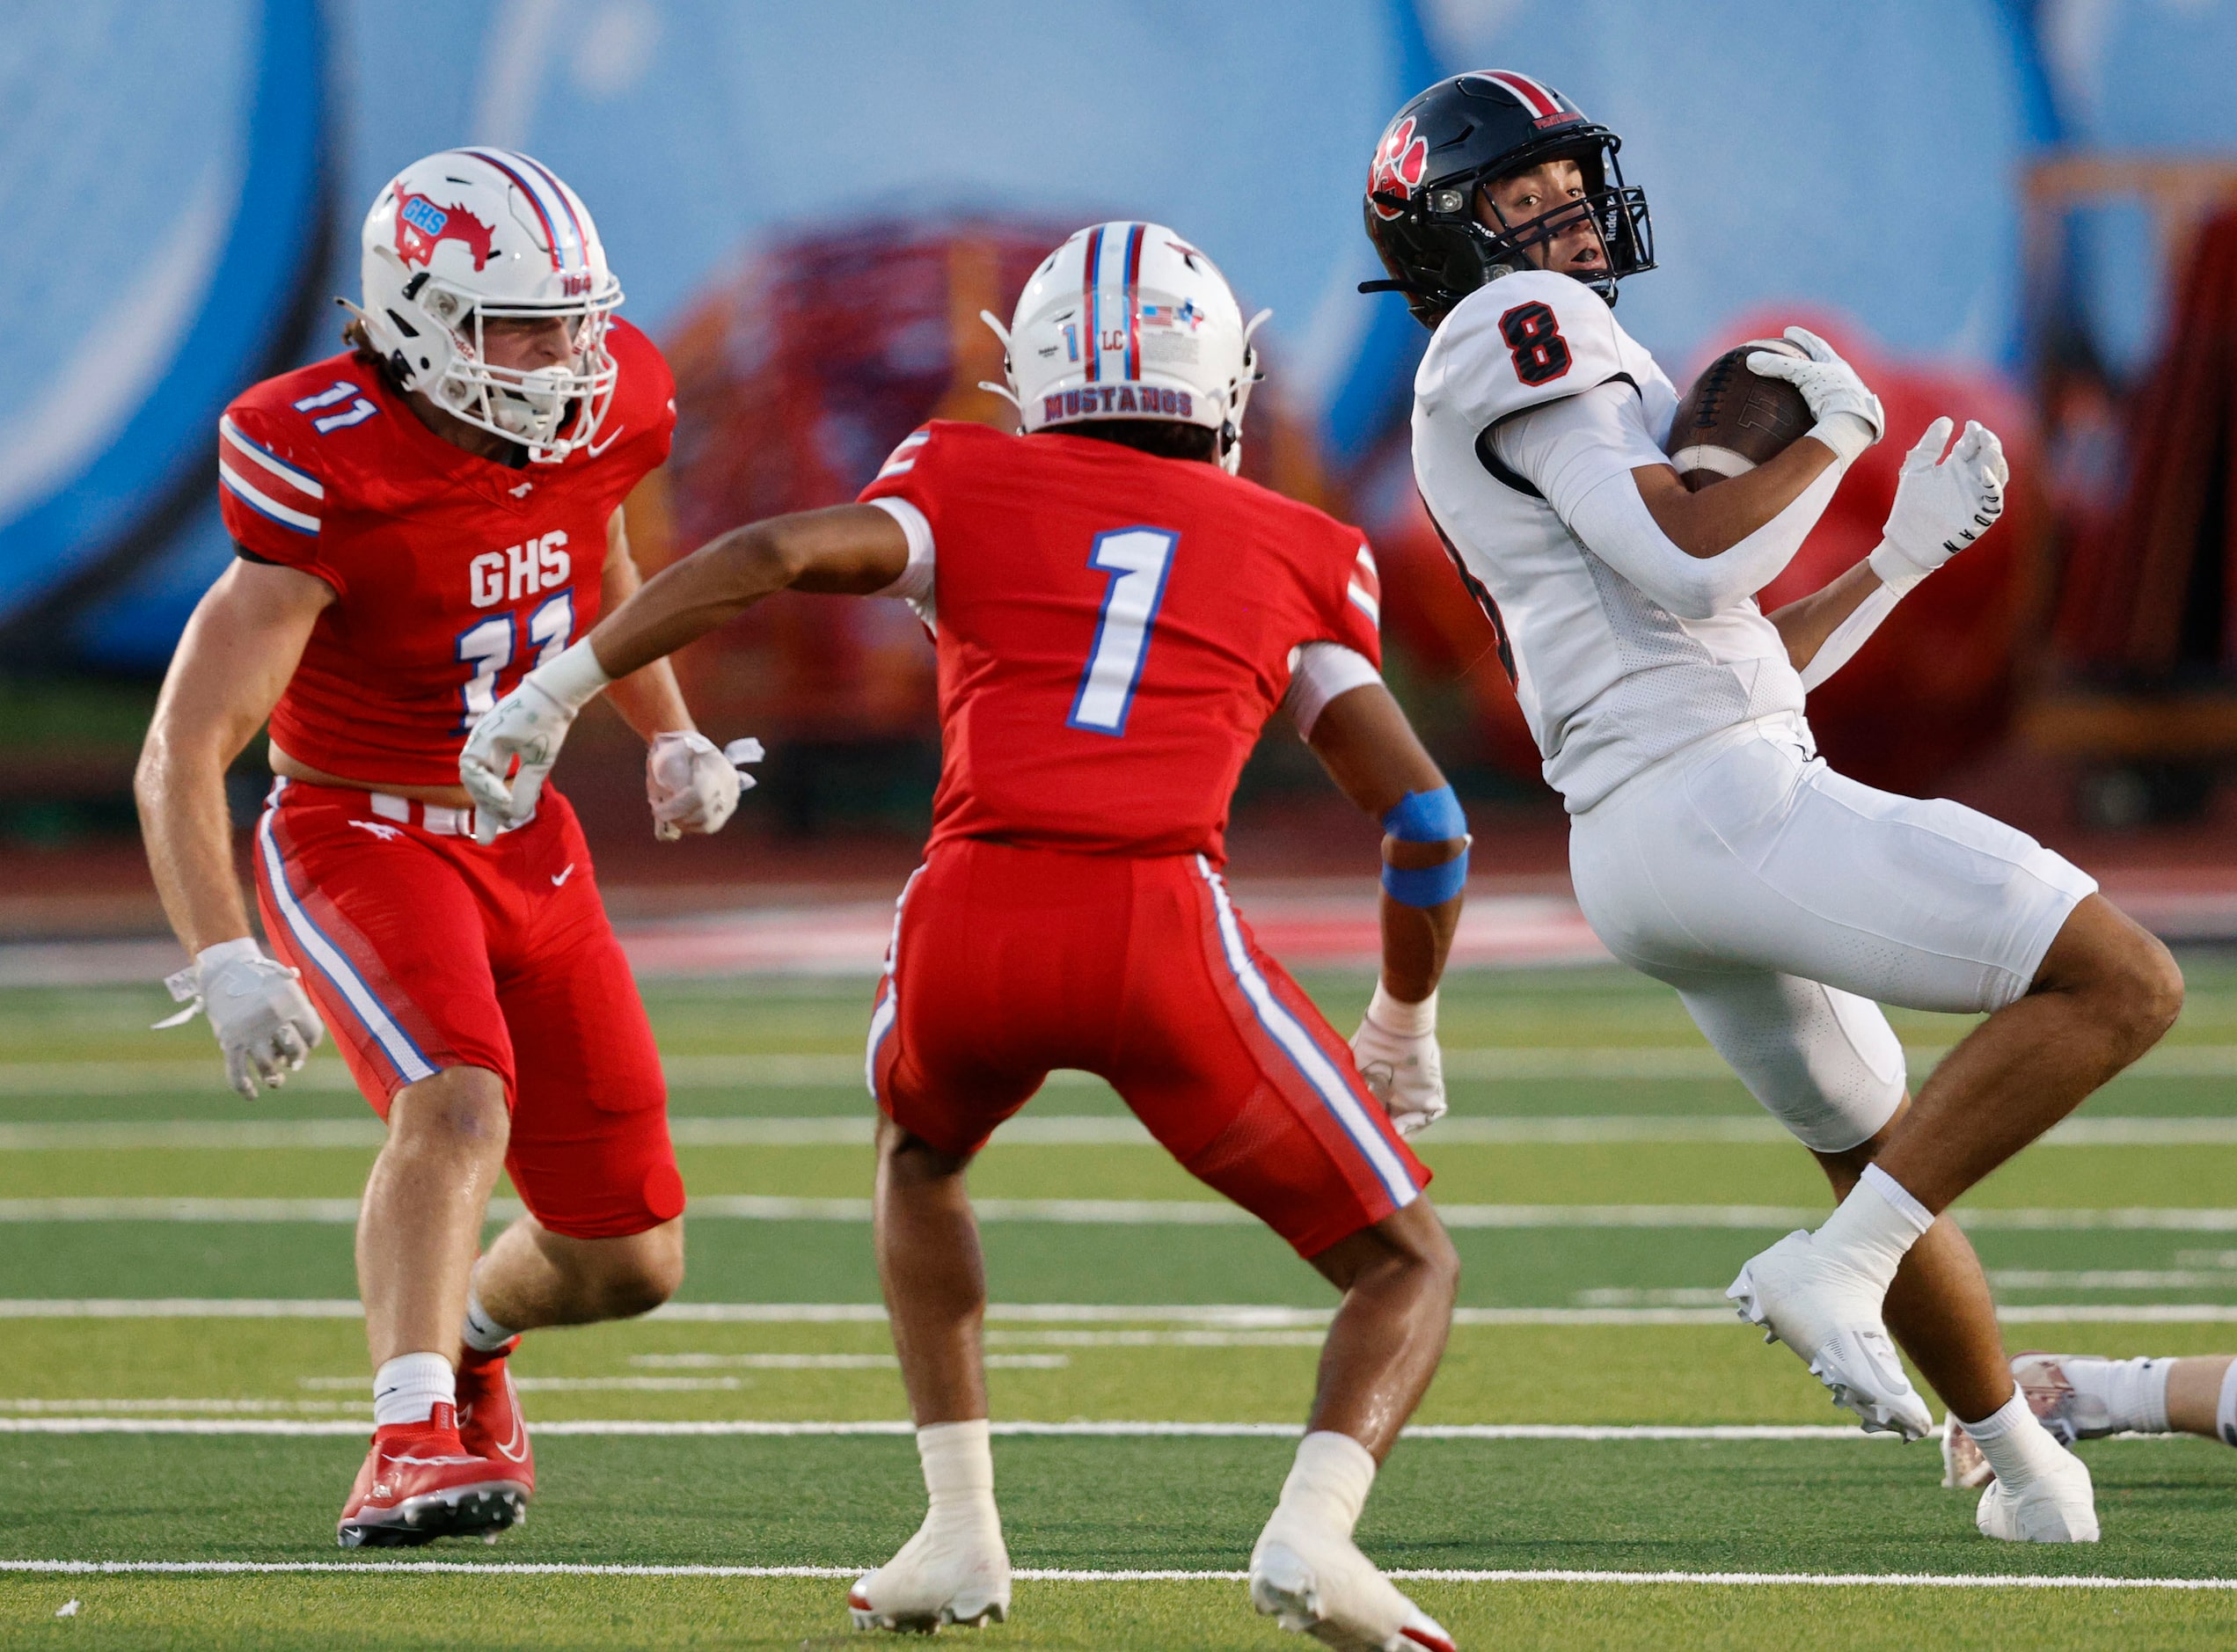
[1007,962]
[424,951]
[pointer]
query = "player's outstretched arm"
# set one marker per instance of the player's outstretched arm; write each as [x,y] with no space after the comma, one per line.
[1942,504]
[240,649]
[850,550]
[1363,739]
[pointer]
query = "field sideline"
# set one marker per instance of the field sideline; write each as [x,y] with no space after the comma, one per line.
[1608,1459]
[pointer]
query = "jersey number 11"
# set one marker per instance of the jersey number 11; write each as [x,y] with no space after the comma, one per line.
[1138,561]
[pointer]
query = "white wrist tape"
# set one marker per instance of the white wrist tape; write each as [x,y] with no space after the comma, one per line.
[225,952]
[1847,433]
[574,679]
[1395,1015]
[1850,635]
[1896,568]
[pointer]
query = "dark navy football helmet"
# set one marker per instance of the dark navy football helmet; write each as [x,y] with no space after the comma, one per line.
[1445,144]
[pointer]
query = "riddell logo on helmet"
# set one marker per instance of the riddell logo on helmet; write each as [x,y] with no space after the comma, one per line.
[421,226]
[1399,165]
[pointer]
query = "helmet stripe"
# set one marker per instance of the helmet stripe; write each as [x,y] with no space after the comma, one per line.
[1091,311]
[559,192]
[1134,300]
[1534,95]
[536,200]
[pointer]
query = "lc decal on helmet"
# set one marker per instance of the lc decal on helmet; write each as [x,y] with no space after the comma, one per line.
[1127,320]
[470,237]
[1425,188]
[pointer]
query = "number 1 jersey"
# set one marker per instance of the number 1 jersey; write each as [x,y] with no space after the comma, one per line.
[453,574]
[1113,629]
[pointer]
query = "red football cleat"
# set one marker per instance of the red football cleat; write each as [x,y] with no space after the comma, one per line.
[490,1423]
[419,1483]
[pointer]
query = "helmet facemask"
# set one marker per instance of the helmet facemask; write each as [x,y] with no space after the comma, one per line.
[1616,215]
[550,410]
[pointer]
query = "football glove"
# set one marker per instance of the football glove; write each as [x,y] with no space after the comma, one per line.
[694,787]
[263,1020]
[508,753]
[1849,418]
[1405,1071]
[519,737]
[1941,504]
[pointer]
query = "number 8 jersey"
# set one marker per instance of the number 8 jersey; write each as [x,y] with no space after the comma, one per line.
[453,573]
[1113,629]
[1609,681]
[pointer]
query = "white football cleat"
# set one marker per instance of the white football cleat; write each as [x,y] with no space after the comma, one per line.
[2068,1414]
[2059,1505]
[1964,1465]
[1829,1315]
[958,1574]
[1322,1586]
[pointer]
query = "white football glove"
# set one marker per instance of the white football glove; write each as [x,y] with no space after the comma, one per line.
[1404,1071]
[264,1021]
[1849,417]
[508,753]
[694,787]
[1941,505]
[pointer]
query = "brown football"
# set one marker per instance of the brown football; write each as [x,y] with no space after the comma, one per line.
[1732,420]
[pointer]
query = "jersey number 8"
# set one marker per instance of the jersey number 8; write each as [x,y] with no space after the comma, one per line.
[1534,338]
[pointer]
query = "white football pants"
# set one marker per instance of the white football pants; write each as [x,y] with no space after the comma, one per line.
[1782,900]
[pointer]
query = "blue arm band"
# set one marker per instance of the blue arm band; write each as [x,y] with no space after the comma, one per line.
[1428,886]
[1427,817]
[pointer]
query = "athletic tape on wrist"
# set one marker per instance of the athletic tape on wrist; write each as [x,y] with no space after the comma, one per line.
[1427,886]
[1427,817]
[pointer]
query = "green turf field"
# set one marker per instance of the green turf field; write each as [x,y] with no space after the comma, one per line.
[183,1395]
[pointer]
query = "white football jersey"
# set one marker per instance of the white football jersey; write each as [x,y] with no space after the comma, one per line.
[1609,680]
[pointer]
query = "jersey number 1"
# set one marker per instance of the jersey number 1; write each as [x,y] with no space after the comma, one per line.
[1137,559]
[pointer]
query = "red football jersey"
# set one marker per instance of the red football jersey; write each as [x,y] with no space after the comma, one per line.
[1113,629]
[454,573]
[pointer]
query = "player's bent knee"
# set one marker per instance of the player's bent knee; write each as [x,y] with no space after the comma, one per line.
[645,1272]
[459,1109]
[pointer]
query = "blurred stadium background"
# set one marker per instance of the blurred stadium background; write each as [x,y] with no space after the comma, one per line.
[2026,212]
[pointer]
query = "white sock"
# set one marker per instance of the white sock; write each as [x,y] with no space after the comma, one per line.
[482,1333]
[409,1387]
[2133,1391]
[958,1461]
[1328,1485]
[2017,1447]
[1873,1226]
[2226,1407]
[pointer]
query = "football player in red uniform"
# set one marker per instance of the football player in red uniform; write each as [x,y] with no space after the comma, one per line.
[420,520]
[1116,615]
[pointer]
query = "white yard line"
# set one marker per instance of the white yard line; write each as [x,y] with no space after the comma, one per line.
[1064,1574]
[755,1429]
[1058,1131]
[1481,1064]
[1229,1316]
[1152,1213]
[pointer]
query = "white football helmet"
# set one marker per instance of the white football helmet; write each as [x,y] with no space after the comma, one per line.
[1129,321]
[472,236]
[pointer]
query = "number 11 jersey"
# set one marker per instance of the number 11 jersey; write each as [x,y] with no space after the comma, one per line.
[1113,629]
[453,574]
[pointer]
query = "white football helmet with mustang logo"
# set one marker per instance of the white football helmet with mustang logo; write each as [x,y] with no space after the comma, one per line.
[1127,320]
[472,235]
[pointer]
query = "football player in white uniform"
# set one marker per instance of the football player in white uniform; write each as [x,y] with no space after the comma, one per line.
[1709,844]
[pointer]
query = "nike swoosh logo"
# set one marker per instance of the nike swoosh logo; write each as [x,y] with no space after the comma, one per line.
[514,1450]
[557,877]
[597,448]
